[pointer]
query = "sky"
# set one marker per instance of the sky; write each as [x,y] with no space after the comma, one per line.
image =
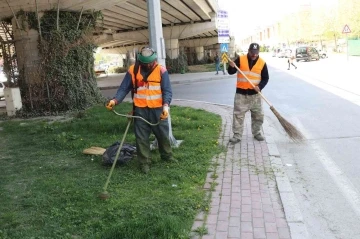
[246,15]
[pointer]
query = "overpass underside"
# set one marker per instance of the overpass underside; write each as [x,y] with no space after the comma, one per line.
[188,26]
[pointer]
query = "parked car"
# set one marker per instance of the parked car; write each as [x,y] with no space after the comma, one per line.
[283,53]
[2,87]
[275,52]
[2,75]
[322,53]
[307,53]
[101,69]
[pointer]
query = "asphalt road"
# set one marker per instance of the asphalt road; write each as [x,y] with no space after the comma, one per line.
[321,98]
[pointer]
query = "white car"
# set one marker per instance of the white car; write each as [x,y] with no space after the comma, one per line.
[2,87]
[2,77]
[322,53]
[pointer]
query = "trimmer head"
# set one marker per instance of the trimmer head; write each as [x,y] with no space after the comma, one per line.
[104,195]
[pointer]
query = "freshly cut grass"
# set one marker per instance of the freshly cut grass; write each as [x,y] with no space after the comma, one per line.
[49,189]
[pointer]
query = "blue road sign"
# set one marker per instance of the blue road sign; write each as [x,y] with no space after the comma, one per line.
[224,47]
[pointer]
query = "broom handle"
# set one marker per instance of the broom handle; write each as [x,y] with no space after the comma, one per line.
[237,68]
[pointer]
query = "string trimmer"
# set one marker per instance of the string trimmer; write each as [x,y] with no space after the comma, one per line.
[105,195]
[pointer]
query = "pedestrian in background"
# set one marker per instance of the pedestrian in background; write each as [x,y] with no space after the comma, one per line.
[152,96]
[247,97]
[217,64]
[291,58]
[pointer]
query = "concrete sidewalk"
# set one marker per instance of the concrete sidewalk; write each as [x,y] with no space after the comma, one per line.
[250,194]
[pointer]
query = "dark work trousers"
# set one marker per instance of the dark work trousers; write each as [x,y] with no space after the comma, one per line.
[143,131]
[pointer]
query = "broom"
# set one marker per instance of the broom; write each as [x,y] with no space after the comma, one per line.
[290,129]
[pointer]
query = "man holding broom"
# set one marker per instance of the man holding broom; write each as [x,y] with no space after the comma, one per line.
[247,95]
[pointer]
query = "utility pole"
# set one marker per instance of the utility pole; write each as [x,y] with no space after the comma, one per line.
[158,44]
[155,30]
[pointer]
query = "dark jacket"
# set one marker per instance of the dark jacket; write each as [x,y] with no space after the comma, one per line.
[217,59]
[264,75]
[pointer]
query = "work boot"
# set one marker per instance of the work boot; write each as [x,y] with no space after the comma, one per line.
[234,140]
[259,137]
[145,168]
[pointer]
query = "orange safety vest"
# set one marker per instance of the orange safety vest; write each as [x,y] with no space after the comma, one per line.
[254,75]
[147,94]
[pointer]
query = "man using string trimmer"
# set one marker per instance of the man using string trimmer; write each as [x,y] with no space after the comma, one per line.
[152,94]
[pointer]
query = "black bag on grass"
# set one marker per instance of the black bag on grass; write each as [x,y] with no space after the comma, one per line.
[126,153]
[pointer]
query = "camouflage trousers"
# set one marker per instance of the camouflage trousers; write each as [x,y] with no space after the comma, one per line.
[242,104]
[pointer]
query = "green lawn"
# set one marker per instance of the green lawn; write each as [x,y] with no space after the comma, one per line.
[49,189]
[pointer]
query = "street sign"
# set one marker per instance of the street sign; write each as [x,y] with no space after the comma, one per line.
[224,58]
[222,24]
[224,47]
[222,20]
[346,29]
[223,36]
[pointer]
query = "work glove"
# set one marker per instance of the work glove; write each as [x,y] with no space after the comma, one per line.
[165,112]
[110,105]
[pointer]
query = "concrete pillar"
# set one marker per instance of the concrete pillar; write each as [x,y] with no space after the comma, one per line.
[172,48]
[156,31]
[28,56]
[28,62]
[199,52]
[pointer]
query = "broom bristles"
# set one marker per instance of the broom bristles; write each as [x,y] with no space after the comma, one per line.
[290,129]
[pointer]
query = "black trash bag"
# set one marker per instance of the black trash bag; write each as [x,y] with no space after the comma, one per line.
[126,153]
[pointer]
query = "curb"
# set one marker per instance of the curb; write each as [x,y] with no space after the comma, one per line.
[177,82]
[292,211]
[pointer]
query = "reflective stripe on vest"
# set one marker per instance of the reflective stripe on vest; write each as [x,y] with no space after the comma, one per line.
[254,75]
[148,94]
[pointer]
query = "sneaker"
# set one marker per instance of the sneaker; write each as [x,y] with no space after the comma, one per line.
[145,168]
[259,137]
[234,140]
[288,68]
[217,74]
[295,67]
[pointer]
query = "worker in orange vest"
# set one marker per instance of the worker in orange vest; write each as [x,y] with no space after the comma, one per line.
[247,97]
[152,95]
